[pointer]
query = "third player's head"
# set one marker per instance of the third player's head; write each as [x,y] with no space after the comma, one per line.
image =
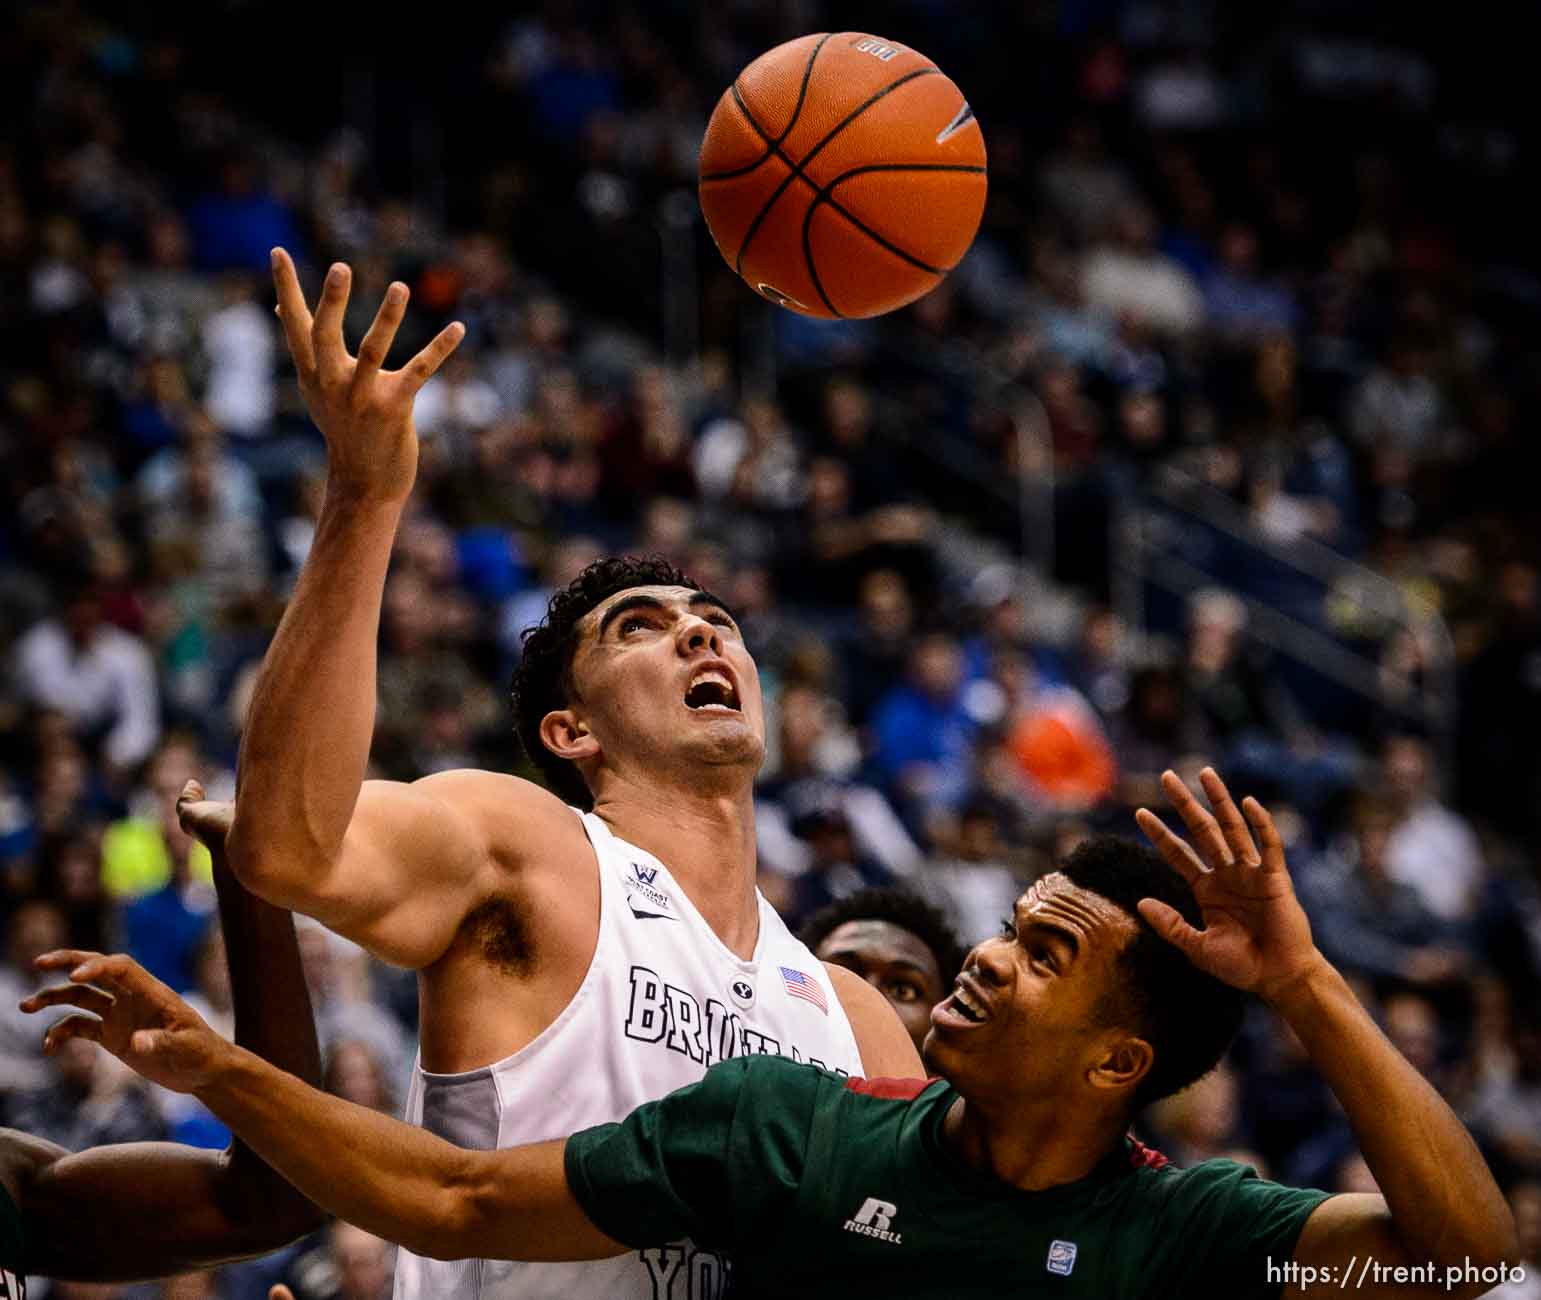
[897,942]
[637,675]
[1079,1001]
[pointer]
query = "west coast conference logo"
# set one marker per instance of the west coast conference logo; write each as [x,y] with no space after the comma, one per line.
[640,884]
[874,1220]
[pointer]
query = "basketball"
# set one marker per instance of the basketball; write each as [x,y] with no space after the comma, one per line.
[842,175]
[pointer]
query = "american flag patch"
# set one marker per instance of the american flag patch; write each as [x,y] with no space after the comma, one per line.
[805,987]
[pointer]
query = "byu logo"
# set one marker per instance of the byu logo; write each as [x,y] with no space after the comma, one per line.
[743,992]
[1061,1257]
[645,874]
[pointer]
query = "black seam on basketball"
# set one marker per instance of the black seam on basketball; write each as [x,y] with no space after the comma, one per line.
[824,195]
[770,145]
[882,241]
[904,167]
[797,167]
[813,271]
[802,90]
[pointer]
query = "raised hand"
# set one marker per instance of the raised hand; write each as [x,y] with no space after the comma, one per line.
[364,412]
[130,1013]
[1256,935]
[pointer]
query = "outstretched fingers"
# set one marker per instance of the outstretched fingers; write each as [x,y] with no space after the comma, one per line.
[1177,851]
[1208,838]
[1232,825]
[118,972]
[293,312]
[426,363]
[1267,833]
[64,959]
[326,331]
[88,997]
[382,333]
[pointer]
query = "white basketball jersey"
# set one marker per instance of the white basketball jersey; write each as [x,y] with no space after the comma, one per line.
[663,999]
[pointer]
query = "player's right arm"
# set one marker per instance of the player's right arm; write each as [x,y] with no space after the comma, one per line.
[661,1174]
[1441,1209]
[391,866]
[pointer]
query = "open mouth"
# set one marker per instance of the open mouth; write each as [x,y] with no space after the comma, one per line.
[963,1005]
[712,691]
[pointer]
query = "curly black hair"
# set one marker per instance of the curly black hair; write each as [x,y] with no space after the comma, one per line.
[898,907]
[543,680]
[1187,1016]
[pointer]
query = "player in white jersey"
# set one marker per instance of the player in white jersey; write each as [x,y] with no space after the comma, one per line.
[570,967]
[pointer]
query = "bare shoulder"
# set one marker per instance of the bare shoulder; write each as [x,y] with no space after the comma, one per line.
[887,1050]
[517,818]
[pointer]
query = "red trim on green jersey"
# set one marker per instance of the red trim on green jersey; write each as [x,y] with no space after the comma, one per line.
[1144,1157]
[893,1089]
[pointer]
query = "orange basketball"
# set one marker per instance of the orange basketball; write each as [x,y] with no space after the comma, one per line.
[842,175]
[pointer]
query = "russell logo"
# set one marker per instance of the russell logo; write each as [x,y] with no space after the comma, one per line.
[874,1219]
[1061,1257]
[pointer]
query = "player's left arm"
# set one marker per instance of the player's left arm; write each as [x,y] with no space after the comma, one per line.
[148,1209]
[887,1050]
[1441,1205]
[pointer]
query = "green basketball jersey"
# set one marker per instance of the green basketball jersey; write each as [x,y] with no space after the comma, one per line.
[13,1283]
[816,1185]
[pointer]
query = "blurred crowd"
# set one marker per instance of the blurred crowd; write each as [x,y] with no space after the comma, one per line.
[1276,255]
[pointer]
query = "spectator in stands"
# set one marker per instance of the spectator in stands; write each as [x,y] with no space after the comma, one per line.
[875,654]
[1202,1122]
[69,875]
[1368,921]
[164,928]
[87,1099]
[835,866]
[1056,738]
[814,770]
[343,994]
[1239,304]
[356,1073]
[1126,273]
[976,884]
[1083,182]
[1507,1107]
[923,731]
[100,677]
[34,928]
[347,1264]
[1430,848]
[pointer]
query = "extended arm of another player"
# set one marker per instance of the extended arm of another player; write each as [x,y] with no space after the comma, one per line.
[1441,1203]
[148,1209]
[403,1183]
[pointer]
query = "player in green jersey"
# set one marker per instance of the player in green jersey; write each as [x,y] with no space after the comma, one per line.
[148,1209]
[1118,979]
